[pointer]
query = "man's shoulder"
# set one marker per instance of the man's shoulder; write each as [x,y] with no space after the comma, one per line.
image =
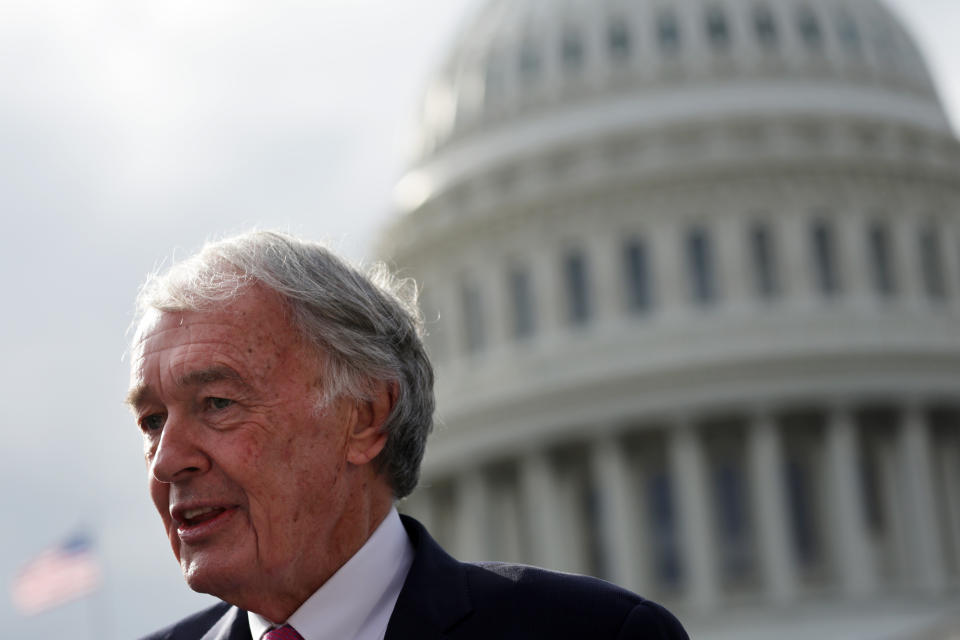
[569,603]
[493,579]
[193,626]
[445,597]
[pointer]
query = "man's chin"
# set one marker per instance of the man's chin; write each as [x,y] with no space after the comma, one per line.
[205,575]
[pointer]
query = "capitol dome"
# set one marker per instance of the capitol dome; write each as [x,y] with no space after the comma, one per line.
[657,64]
[691,275]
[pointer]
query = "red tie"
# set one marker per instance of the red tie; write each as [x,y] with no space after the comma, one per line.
[286,632]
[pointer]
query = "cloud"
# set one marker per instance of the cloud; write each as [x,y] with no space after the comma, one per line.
[129,129]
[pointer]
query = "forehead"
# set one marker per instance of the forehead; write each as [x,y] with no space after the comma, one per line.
[250,334]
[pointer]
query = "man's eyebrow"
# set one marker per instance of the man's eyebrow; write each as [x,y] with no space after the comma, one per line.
[136,396]
[196,378]
[209,375]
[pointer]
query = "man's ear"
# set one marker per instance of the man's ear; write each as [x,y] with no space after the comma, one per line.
[368,436]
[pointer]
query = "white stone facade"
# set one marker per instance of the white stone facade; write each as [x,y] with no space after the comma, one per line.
[695,311]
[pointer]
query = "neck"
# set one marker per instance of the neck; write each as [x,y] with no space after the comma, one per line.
[351,534]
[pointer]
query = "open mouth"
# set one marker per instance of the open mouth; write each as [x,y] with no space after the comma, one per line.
[193,517]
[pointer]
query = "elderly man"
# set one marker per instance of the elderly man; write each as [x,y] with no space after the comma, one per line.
[285,401]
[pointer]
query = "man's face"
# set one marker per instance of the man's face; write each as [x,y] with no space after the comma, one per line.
[250,477]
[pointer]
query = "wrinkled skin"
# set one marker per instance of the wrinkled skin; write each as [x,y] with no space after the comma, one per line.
[227,402]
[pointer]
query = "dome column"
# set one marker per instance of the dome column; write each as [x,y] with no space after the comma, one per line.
[438,299]
[621,535]
[922,524]
[456,325]
[544,266]
[688,468]
[542,501]
[853,256]
[571,519]
[496,300]
[668,267]
[951,260]
[732,262]
[604,263]
[793,235]
[851,544]
[950,464]
[471,520]
[765,448]
[909,276]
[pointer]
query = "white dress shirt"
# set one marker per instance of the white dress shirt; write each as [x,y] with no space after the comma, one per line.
[356,602]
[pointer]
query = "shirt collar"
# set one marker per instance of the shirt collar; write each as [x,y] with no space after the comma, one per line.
[357,600]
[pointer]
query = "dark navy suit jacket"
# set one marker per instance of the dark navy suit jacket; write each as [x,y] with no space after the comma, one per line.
[444,598]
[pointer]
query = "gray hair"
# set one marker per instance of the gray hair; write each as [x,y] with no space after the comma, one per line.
[365,328]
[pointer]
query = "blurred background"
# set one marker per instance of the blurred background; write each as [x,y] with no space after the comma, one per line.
[691,272]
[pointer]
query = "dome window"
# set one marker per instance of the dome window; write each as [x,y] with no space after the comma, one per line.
[703,285]
[823,248]
[618,40]
[849,34]
[718,31]
[529,61]
[571,50]
[931,264]
[668,32]
[810,29]
[471,306]
[638,278]
[765,275]
[881,260]
[765,27]
[522,306]
[577,283]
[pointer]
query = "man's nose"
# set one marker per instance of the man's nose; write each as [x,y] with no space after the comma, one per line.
[179,453]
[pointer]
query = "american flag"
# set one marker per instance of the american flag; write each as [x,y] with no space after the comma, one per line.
[60,574]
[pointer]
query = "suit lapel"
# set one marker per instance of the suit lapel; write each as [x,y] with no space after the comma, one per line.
[232,625]
[434,596]
[433,599]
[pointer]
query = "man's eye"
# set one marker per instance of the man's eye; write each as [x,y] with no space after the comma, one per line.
[219,403]
[153,422]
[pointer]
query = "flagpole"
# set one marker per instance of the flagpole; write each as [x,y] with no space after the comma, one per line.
[92,616]
[100,614]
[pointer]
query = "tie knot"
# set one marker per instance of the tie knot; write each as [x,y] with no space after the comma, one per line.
[286,632]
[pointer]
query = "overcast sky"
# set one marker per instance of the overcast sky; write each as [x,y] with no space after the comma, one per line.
[129,129]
